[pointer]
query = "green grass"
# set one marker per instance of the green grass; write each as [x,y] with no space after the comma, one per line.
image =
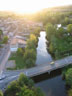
[19,61]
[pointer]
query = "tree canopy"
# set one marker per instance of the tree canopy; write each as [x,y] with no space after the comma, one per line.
[23,87]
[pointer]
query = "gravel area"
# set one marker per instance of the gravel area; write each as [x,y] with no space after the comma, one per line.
[10,64]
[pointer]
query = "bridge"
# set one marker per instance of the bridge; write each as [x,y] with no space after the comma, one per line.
[49,67]
[13,75]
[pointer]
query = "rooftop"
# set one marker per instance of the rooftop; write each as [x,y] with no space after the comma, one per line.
[17,40]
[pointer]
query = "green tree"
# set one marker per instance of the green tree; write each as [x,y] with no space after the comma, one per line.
[19,51]
[1,33]
[66,20]
[25,91]
[30,54]
[50,30]
[22,87]
[69,77]
[22,80]
[30,63]
[31,43]
[5,39]
[60,32]
[12,89]
[69,28]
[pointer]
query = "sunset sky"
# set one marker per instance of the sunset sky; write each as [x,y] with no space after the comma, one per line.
[30,6]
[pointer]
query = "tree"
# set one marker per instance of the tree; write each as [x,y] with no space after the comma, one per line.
[69,28]
[19,51]
[22,87]
[60,32]
[30,54]
[22,80]
[37,31]
[31,43]
[66,20]
[25,91]
[50,30]
[1,33]
[30,62]
[1,93]
[69,77]
[12,89]
[5,39]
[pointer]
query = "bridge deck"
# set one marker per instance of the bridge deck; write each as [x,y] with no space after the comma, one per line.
[48,67]
[43,68]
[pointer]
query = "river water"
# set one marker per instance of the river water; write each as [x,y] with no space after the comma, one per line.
[43,56]
[51,84]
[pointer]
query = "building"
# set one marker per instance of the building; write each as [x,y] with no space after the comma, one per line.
[17,43]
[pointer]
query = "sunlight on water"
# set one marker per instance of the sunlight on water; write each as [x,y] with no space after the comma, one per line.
[42,55]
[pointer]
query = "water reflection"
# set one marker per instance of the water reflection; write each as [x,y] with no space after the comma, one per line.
[53,87]
[42,54]
[51,84]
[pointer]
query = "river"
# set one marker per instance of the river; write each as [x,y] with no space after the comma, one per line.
[51,84]
[43,56]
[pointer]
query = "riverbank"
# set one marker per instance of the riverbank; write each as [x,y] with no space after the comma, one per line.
[59,40]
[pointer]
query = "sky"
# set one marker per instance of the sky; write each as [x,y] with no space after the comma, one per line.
[30,6]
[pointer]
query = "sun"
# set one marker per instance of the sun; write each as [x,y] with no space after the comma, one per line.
[21,6]
[27,6]
[30,6]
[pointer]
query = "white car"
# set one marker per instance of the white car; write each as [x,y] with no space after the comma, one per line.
[52,63]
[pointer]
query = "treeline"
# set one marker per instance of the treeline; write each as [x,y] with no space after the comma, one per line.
[59,40]
[52,15]
[66,21]
[23,86]
[30,50]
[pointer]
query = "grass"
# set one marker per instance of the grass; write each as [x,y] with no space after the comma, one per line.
[18,60]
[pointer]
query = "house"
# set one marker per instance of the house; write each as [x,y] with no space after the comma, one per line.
[14,45]
[17,43]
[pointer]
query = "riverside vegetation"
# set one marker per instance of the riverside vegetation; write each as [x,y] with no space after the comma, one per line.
[23,86]
[59,40]
[25,58]
[60,45]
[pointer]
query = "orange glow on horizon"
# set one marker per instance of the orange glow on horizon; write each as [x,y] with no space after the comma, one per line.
[30,6]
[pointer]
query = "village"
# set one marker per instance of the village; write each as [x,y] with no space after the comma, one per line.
[17,31]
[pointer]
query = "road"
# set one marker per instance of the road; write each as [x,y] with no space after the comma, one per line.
[13,75]
[5,53]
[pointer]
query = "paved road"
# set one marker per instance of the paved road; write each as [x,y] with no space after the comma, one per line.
[13,75]
[5,53]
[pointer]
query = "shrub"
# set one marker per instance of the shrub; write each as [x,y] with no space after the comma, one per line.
[69,77]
